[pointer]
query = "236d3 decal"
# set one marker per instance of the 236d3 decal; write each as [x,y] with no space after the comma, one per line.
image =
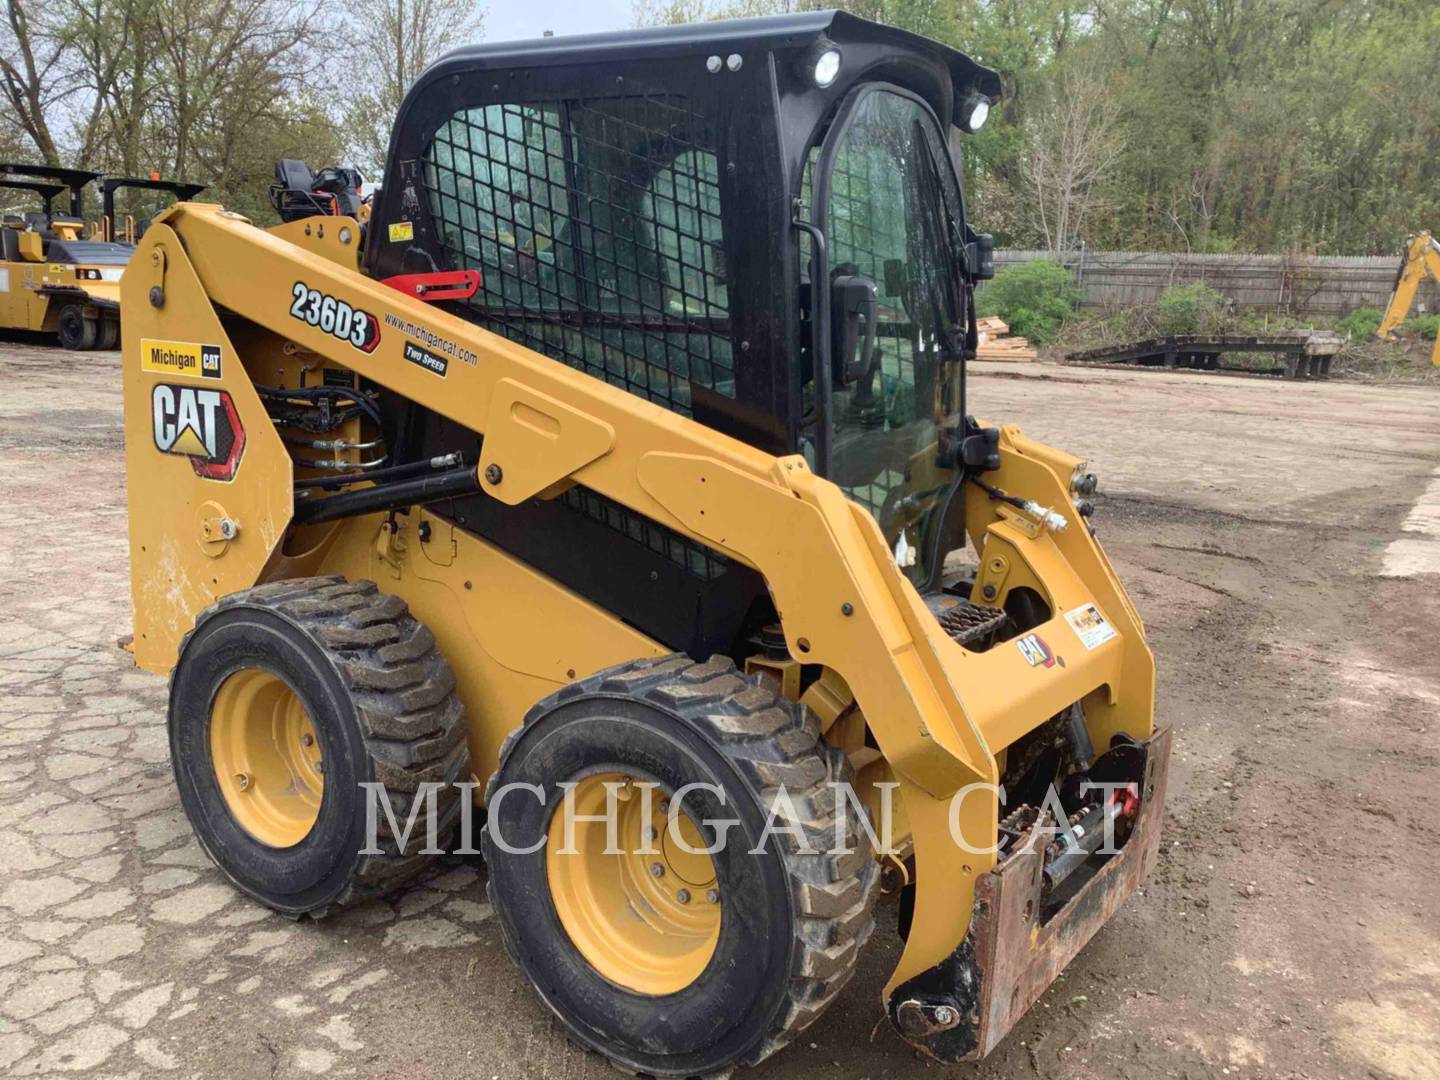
[358,328]
[202,425]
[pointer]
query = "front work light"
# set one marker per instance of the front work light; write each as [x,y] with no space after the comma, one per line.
[974,112]
[827,67]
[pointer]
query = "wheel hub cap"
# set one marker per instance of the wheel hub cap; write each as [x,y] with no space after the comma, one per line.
[266,757]
[646,912]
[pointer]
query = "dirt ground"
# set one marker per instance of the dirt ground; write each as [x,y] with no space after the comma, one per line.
[1282,542]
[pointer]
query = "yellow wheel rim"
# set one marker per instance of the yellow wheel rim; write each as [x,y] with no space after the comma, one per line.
[645,914]
[266,757]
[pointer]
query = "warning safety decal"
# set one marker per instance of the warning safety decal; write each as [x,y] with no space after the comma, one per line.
[1090,626]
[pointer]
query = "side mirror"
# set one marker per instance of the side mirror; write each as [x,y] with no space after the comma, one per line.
[980,257]
[975,448]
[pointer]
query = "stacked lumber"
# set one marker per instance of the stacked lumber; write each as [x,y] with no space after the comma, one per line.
[996,344]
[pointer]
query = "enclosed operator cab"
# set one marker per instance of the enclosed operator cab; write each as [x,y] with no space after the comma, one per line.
[638,208]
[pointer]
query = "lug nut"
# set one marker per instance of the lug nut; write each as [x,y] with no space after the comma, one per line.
[944,1015]
[656,870]
[307,739]
[243,780]
[664,806]
[320,766]
[683,896]
[651,834]
[712,896]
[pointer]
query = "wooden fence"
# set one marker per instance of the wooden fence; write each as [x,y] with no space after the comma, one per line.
[1295,284]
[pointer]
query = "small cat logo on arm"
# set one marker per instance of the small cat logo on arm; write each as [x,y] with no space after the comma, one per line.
[1037,653]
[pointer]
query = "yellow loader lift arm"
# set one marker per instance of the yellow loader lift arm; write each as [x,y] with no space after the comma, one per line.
[1422,257]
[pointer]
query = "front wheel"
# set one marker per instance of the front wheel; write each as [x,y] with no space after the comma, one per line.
[681,949]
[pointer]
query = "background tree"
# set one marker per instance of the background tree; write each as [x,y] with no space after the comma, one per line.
[393,42]
[207,90]
[1219,125]
[1204,125]
[1072,141]
[33,76]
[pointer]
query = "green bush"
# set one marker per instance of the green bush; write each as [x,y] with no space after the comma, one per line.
[1190,309]
[1427,326]
[1035,298]
[1361,324]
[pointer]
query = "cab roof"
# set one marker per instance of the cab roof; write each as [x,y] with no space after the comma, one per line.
[797,31]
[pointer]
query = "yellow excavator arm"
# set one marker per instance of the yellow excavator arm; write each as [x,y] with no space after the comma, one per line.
[1422,256]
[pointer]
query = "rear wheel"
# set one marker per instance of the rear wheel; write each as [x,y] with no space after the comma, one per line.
[667,958]
[109,334]
[285,700]
[76,331]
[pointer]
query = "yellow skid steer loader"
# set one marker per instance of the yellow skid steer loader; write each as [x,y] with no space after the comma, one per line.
[625,493]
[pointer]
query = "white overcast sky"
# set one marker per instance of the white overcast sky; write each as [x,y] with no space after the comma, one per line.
[509,20]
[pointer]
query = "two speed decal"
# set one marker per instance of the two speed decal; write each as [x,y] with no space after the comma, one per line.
[358,328]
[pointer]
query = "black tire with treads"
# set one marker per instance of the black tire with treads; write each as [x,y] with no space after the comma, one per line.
[74,330]
[793,922]
[382,702]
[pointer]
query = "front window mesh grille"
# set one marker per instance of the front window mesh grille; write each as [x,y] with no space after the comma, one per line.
[596,226]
